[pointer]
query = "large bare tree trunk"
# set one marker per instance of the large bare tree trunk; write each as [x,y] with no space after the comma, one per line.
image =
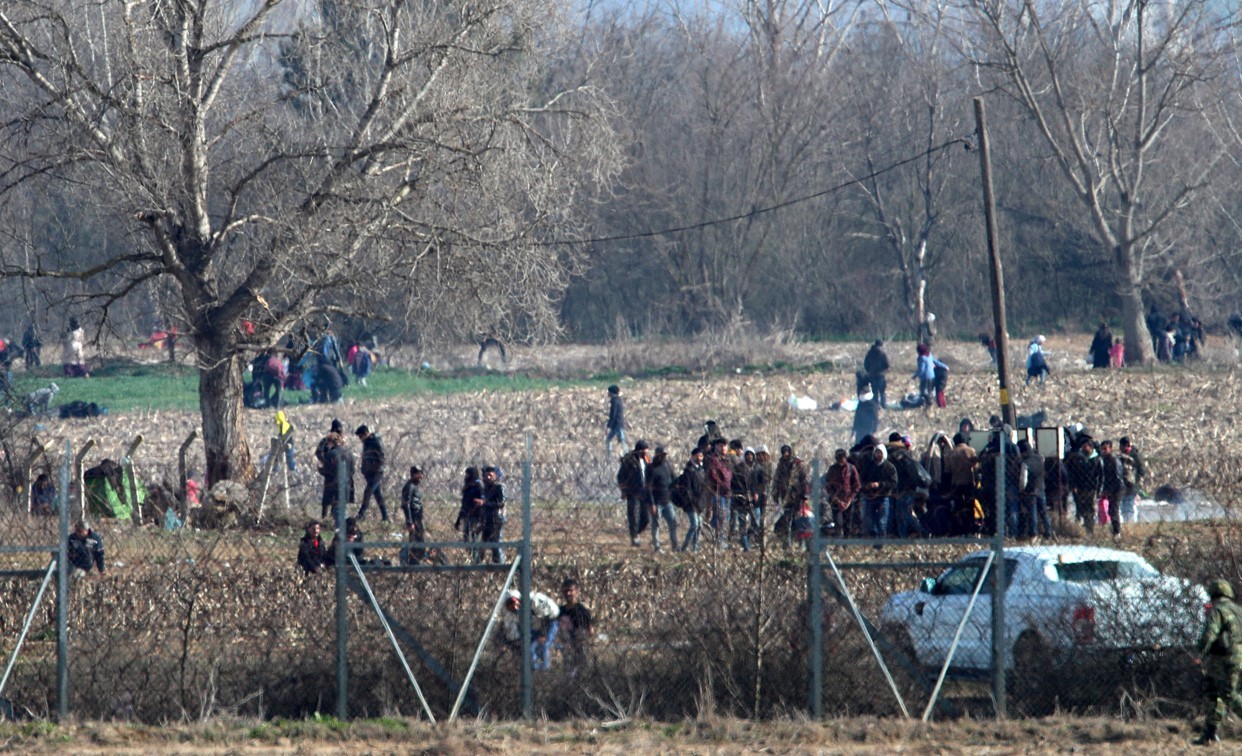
[220,388]
[1130,292]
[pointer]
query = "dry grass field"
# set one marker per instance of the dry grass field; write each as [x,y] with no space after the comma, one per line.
[1183,418]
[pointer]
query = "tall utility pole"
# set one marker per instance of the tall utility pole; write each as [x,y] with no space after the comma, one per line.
[999,640]
[998,275]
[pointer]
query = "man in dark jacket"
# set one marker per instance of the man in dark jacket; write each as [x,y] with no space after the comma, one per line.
[875,365]
[493,513]
[616,419]
[632,481]
[1112,484]
[373,460]
[739,485]
[911,488]
[1034,495]
[660,495]
[1086,477]
[86,549]
[879,480]
[312,552]
[337,457]
[692,497]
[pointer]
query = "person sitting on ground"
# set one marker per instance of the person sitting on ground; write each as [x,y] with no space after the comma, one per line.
[86,548]
[353,534]
[543,626]
[312,554]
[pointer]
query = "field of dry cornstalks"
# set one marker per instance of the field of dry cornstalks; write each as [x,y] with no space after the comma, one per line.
[208,622]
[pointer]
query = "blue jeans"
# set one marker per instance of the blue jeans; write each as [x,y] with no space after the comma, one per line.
[741,518]
[875,516]
[617,433]
[1012,508]
[539,648]
[692,532]
[907,523]
[720,518]
[636,514]
[670,518]
[1037,520]
[1127,507]
[290,461]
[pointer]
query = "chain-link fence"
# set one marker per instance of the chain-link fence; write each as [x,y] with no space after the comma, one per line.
[203,609]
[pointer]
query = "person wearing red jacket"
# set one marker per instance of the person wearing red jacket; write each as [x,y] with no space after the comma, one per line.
[720,489]
[841,487]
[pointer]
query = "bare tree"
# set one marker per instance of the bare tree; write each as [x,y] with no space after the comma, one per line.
[910,103]
[1112,90]
[270,163]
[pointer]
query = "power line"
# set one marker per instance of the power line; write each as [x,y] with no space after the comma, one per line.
[966,142]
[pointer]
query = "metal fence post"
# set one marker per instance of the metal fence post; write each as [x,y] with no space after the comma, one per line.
[998,581]
[342,615]
[182,475]
[814,606]
[528,697]
[62,592]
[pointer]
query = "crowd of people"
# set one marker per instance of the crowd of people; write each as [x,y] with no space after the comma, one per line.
[880,489]
[320,366]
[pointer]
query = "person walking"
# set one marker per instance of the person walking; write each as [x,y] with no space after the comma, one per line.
[374,458]
[632,482]
[616,419]
[1220,654]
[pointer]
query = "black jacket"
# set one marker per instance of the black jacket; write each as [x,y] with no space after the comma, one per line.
[660,481]
[86,551]
[616,413]
[373,455]
[876,361]
[331,471]
[312,554]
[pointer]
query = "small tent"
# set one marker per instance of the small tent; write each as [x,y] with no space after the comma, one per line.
[111,493]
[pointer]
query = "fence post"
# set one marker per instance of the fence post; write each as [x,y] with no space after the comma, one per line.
[814,607]
[998,581]
[78,480]
[528,697]
[181,475]
[130,492]
[62,591]
[340,557]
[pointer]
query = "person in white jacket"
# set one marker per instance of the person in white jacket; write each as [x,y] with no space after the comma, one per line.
[544,613]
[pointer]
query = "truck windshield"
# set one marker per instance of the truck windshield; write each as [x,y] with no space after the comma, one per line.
[1093,571]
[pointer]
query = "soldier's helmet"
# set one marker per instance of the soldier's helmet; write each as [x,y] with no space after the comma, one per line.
[1220,588]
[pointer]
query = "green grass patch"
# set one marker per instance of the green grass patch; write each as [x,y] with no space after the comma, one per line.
[124,386]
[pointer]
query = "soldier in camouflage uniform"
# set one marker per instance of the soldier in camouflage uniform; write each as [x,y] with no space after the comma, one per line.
[1220,648]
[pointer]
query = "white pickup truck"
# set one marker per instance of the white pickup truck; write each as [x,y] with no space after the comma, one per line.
[1059,601]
